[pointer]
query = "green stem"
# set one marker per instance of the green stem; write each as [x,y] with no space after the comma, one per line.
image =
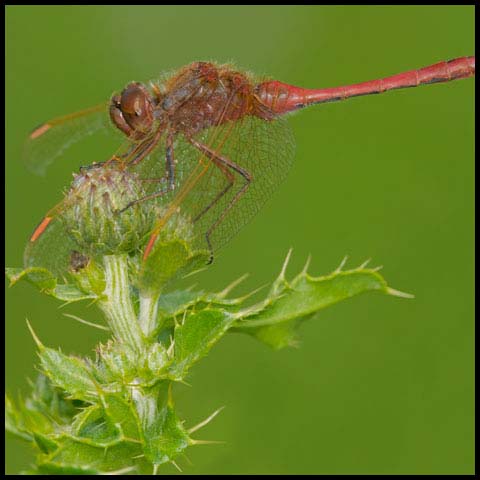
[148,402]
[147,317]
[117,305]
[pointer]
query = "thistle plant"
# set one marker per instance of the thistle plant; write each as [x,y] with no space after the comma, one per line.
[114,411]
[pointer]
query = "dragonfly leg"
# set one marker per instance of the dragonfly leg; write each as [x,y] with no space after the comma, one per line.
[115,157]
[137,151]
[92,166]
[170,176]
[226,166]
[123,156]
[145,147]
[230,179]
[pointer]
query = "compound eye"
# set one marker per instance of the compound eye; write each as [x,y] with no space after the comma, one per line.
[133,101]
[136,107]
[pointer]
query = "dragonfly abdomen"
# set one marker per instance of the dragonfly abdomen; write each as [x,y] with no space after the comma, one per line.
[281,98]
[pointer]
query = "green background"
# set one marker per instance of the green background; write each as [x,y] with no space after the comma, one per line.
[380,384]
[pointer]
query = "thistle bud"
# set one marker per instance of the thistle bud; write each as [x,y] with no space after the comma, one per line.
[101,217]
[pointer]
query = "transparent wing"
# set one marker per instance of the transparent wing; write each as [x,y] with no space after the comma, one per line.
[221,203]
[51,245]
[51,139]
[263,149]
[220,191]
[51,250]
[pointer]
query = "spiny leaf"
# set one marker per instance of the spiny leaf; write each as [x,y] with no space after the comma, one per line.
[195,336]
[14,422]
[44,443]
[165,436]
[174,304]
[42,278]
[70,293]
[122,418]
[167,442]
[69,373]
[83,453]
[46,282]
[276,319]
[24,419]
[122,414]
[51,402]
[94,425]
[39,415]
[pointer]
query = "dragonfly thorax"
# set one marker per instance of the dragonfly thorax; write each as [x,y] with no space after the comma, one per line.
[204,95]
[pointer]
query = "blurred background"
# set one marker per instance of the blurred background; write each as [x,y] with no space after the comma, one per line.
[379,384]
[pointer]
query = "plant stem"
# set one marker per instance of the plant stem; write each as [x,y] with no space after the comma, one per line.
[117,306]
[147,317]
[148,401]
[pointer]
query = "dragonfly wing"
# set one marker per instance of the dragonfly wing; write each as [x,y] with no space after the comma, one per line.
[51,250]
[51,139]
[215,197]
[263,149]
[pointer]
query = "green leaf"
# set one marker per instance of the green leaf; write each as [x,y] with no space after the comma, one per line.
[195,337]
[14,422]
[165,436]
[25,419]
[116,362]
[277,336]
[167,261]
[51,402]
[275,320]
[69,373]
[115,414]
[172,253]
[176,302]
[41,278]
[36,417]
[90,278]
[69,293]
[157,360]
[44,443]
[83,453]
[103,438]
[122,414]
[94,425]
[46,282]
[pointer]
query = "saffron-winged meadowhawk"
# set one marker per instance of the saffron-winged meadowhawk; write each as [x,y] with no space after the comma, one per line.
[207,140]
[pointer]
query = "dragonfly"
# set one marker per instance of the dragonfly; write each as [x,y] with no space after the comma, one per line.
[208,139]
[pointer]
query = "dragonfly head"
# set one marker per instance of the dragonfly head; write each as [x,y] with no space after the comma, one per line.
[133,111]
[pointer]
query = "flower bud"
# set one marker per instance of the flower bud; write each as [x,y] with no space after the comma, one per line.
[97,217]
